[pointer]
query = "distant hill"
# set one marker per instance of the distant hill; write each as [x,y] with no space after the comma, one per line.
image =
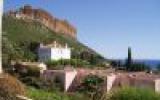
[20,39]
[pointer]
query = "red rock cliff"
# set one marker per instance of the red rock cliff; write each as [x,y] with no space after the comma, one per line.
[53,23]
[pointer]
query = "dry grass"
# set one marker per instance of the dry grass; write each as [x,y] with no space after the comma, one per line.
[10,87]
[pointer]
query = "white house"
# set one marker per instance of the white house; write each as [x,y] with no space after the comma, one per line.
[53,52]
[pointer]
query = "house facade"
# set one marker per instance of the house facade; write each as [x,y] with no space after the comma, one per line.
[53,52]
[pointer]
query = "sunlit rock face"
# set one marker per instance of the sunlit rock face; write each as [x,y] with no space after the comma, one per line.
[53,23]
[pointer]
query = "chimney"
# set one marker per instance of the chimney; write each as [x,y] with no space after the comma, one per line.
[55,44]
[66,45]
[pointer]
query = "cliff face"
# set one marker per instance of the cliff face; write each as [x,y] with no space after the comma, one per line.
[53,23]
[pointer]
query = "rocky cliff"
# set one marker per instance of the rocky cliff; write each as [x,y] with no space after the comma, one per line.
[53,23]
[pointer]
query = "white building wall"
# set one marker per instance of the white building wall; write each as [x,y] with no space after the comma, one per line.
[53,53]
[69,78]
[60,53]
[66,53]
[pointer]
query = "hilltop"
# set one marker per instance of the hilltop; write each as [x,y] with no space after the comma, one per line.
[27,12]
[20,39]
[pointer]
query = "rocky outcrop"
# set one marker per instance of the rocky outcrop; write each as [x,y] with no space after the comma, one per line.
[53,23]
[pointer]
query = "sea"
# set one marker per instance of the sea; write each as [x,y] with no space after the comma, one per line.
[150,62]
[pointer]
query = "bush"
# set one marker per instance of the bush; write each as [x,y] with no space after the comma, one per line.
[39,94]
[74,62]
[32,81]
[10,87]
[158,67]
[27,70]
[138,67]
[91,84]
[129,93]
[33,71]
[40,83]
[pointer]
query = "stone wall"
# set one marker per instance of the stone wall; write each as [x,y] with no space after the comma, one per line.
[53,23]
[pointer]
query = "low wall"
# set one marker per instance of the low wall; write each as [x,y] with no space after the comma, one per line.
[69,78]
[110,81]
[143,83]
[72,79]
[66,77]
[54,75]
[157,85]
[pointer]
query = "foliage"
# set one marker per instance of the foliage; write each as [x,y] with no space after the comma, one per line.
[129,93]
[31,79]
[10,87]
[129,59]
[132,66]
[73,62]
[39,94]
[104,65]
[30,75]
[27,70]
[139,67]
[91,84]
[158,67]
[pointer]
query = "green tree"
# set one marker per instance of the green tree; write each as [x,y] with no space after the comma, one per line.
[139,67]
[91,85]
[129,59]
[158,67]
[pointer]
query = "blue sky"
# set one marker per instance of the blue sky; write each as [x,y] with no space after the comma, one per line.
[108,26]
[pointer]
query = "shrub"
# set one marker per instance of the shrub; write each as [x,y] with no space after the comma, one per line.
[40,83]
[33,71]
[158,67]
[130,93]
[32,81]
[27,70]
[91,84]
[138,67]
[10,87]
[74,62]
[39,94]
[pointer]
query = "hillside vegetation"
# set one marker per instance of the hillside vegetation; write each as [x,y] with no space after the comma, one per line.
[21,38]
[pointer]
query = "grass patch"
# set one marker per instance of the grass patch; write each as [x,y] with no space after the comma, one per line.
[130,93]
[39,94]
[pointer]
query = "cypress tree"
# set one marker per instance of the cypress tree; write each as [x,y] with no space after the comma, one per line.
[129,59]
